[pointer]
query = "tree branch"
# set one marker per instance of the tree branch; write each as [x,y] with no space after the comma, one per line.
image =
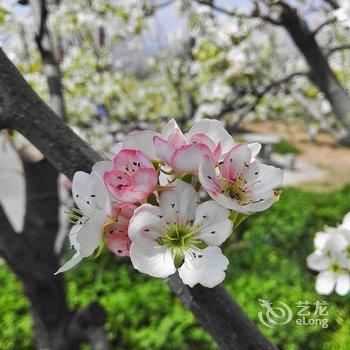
[335,49]
[240,15]
[25,112]
[22,110]
[324,24]
[332,3]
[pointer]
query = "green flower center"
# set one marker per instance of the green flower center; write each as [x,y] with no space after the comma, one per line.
[335,268]
[235,190]
[179,238]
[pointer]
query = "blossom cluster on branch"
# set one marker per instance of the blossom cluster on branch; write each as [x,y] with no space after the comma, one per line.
[332,259]
[151,201]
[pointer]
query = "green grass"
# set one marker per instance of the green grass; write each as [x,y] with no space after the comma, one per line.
[267,260]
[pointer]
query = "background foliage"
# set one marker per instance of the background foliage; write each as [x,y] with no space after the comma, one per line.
[269,264]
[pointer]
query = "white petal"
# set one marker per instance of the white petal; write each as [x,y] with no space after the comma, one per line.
[318,261]
[89,237]
[215,130]
[117,147]
[209,213]
[71,263]
[207,175]
[346,221]
[270,177]
[101,167]
[179,203]
[216,233]
[188,158]
[264,201]
[207,267]
[235,160]
[148,257]
[90,193]
[146,222]
[73,236]
[169,127]
[321,239]
[163,178]
[227,202]
[142,141]
[255,147]
[213,218]
[325,282]
[342,286]
[163,150]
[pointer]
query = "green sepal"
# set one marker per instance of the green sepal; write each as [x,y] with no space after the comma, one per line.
[178,260]
[187,178]
[97,251]
[237,218]
[152,199]
[201,245]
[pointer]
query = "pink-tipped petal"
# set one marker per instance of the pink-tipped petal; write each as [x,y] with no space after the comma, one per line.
[163,149]
[142,141]
[144,181]
[204,139]
[215,130]
[169,127]
[120,246]
[239,156]
[176,139]
[207,175]
[129,160]
[116,182]
[187,158]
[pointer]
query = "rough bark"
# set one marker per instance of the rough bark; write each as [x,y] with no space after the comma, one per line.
[56,326]
[220,316]
[321,73]
[24,111]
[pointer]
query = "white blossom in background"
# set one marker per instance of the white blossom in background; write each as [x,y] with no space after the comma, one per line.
[343,12]
[332,259]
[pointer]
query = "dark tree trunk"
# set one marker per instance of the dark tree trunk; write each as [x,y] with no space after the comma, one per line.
[321,73]
[56,326]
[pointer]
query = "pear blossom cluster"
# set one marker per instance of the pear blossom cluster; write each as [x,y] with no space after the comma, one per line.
[169,200]
[332,259]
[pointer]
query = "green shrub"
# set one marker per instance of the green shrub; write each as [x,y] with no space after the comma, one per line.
[267,260]
[284,147]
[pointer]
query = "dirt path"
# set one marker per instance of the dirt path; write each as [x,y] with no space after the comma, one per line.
[324,153]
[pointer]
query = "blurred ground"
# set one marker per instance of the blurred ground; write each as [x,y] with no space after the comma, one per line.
[323,160]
